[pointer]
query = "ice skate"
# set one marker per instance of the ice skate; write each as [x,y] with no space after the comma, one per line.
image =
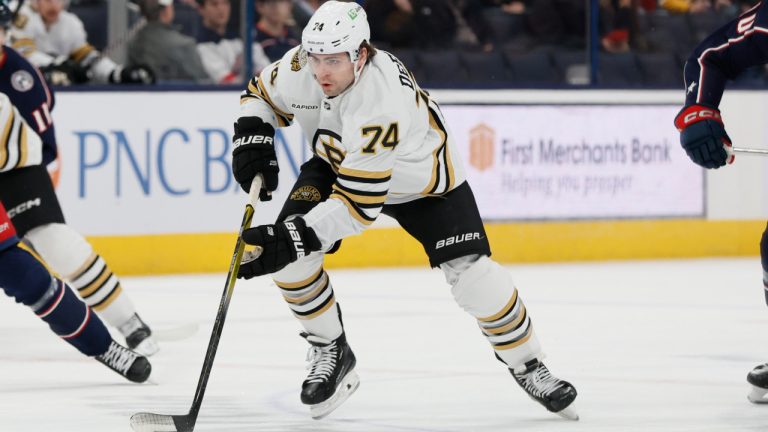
[758,378]
[138,336]
[133,366]
[555,394]
[332,378]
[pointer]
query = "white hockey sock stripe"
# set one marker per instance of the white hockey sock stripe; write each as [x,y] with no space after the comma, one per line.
[60,286]
[317,300]
[79,330]
[508,328]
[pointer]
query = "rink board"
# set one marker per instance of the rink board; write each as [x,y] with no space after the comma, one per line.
[523,242]
[149,182]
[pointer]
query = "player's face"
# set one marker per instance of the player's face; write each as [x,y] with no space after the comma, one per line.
[334,72]
[49,10]
[216,11]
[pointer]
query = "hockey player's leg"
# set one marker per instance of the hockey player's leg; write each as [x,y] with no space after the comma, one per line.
[307,289]
[30,283]
[71,256]
[758,377]
[485,290]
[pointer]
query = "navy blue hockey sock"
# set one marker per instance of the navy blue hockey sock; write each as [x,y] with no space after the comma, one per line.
[29,282]
[764,261]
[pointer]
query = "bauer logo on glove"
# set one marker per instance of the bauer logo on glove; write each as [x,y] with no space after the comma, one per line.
[276,247]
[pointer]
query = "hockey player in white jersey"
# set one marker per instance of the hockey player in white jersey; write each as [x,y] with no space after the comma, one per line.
[54,40]
[28,193]
[380,145]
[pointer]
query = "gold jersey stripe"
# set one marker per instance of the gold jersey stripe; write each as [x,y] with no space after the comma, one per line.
[300,284]
[505,310]
[5,139]
[80,53]
[436,163]
[353,210]
[23,150]
[315,293]
[109,299]
[351,172]
[84,268]
[319,312]
[516,343]
[97,283]
[361,199]
[262,91]
[507,327]
[283,119]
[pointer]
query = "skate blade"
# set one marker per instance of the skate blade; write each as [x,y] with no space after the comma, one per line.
[348,385]
[568,413]
[757,395]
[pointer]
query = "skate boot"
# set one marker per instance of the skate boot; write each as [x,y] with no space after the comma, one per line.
[133,366]
[758,377]
[138,336]
[555,394]
[332,378]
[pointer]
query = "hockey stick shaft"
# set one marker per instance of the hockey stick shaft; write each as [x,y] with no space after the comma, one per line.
[218,325]
[750,150]
[186,423]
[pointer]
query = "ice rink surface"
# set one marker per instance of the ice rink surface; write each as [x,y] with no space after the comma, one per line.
[650,346]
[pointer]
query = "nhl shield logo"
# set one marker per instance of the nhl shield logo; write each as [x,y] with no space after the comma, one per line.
[481,151]
[22,81]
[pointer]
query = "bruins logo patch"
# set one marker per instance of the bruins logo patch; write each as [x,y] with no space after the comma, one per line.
[299,60]
[306,193]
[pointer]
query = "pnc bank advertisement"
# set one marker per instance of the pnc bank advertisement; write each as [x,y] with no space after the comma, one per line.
[141,163]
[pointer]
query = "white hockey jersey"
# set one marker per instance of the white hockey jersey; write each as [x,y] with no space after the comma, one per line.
[20,145]
[66,38]
[384,137]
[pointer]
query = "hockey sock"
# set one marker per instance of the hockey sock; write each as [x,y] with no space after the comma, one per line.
[485,289]
[71,256]
[307,289]
[29,282]
[764,261]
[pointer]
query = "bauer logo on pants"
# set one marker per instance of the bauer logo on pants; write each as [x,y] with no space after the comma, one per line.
[457,239]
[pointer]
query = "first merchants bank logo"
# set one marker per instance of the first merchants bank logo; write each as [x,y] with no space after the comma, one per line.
[481,146]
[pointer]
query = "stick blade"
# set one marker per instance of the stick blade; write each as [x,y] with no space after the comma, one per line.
[149,422]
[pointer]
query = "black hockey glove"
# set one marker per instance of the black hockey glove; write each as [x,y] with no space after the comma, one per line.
[137,74]
[254,154]
[703,136]
[281,245]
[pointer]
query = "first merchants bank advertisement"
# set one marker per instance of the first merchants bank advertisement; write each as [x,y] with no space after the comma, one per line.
[138,163]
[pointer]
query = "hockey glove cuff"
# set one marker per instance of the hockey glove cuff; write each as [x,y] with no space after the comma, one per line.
[703,136]
[254,154]
[281,245]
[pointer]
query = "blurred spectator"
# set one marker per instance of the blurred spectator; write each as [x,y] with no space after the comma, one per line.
[171,55]
[274,30]
[617,18]
[686,6]
[412,23]
[55,40]
[220,48]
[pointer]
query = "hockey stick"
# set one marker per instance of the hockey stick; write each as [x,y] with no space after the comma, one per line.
[750,150]
[149,422]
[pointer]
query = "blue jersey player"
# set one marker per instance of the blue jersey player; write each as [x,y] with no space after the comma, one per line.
[27,281]
[28,193]
[720,57]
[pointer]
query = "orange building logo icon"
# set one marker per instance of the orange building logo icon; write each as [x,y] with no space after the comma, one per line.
[481,138]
